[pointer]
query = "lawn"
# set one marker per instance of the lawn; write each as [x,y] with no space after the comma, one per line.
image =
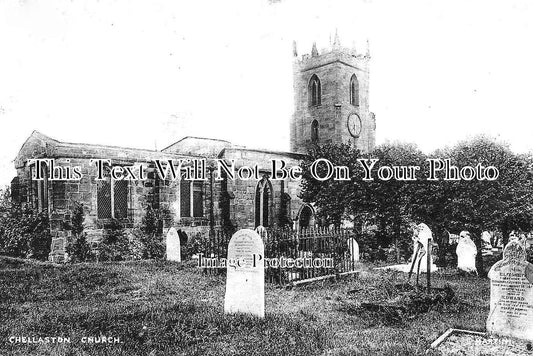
[164,308]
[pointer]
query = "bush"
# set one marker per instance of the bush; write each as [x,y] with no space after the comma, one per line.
[198,242]
[24,232]
[78,249]
[143,242]
[150,245]
[151,231]
[115,245]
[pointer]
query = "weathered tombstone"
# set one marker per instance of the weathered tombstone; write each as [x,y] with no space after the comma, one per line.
[57,248]
[353,248]
[173,245]
[486,238]
[513,236]
[529,240]
[466,253]
[262,232]
[245,284]
[511,294]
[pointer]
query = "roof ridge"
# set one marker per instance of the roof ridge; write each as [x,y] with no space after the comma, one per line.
[196,137]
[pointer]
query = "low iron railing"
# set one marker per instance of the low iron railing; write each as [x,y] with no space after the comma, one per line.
[293,255]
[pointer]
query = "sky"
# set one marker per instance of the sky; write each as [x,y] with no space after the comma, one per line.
[146,73]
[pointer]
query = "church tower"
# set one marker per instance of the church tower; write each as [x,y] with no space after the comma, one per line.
[331,99]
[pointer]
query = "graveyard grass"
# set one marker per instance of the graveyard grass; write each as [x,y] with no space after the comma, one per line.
[169,308]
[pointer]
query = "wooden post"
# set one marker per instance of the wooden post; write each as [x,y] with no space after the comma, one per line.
[428,271]
[415,257]
[418,271]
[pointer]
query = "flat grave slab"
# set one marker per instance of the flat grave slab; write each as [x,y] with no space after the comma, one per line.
[463,342]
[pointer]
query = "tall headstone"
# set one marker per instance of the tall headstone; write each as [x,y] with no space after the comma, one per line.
[353,248]
[245,284]
[173,245]
[511,294]
[466,253]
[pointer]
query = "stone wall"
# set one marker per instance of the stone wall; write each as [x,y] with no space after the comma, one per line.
[61,197]
[226,203]
[242,193]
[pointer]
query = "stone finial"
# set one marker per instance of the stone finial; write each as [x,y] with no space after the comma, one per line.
[294,50]
[336,41]
[353,50]
[314,51]
[367,48]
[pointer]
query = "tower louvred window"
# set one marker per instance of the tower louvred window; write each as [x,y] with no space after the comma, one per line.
[354,91]
[315,91]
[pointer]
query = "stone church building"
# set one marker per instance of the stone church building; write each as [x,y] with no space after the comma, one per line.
[331,105]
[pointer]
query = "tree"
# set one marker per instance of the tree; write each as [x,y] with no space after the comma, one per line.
[390,204]
[24,232]
[477,205]
[397,202]
[332,197]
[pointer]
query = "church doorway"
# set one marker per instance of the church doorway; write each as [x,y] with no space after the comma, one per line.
[306,218]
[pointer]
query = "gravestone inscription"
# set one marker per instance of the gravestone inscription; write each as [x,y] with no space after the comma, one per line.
[511,294]
[173,245]
[245,284]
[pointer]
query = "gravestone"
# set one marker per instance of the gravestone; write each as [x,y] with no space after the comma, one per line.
[173,245]
[245,283]
[513,236]
[466,253]
[57,248]
[486,239]
[511,294]
[353,248]
[262,232]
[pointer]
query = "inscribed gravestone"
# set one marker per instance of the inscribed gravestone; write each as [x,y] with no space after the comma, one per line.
[511,294]
[173,245]
[245,284]
[353,248]
[466,253]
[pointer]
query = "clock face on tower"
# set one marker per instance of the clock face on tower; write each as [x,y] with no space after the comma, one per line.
[354,124]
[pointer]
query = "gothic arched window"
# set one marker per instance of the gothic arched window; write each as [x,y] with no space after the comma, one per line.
[315,91]
[314,131]
[354,91]
[191,199]
[263,197]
